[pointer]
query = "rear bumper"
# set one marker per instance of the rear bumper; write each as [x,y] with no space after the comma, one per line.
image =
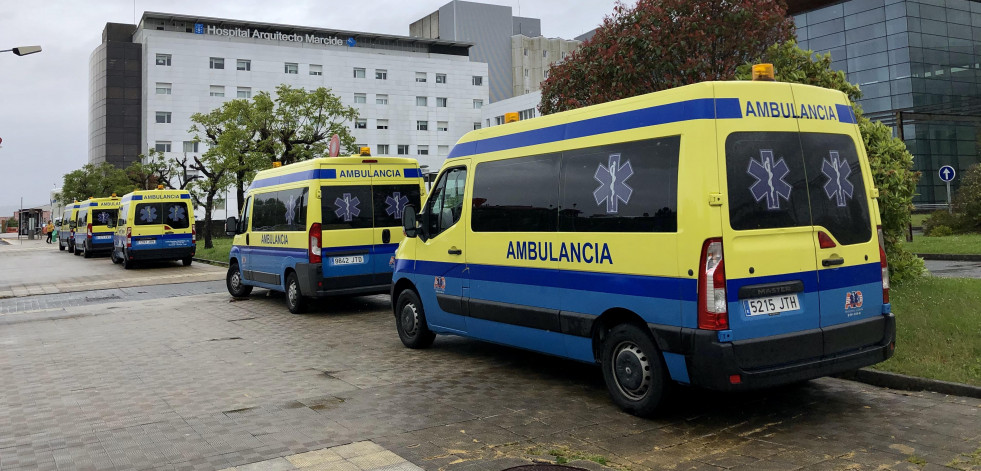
[711,363]
[174,253]
[313,283]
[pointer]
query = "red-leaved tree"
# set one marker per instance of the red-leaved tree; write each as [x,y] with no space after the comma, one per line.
[661,44]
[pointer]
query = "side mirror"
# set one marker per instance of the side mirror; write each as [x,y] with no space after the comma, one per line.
[231,226]
[409,221]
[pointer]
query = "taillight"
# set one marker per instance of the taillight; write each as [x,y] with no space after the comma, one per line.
[194,235]
[884,264]
[713,313]
[315,243]
[825,240]
[129,237]
[88,231]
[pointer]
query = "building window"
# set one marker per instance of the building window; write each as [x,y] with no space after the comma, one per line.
[361,123]
[422,125]
[526,114]
[545,53]
[422,150]
[243,92]
[291,68]
[403,149]
[244,65]
[442,126]
[217,90]
[478,80]
[381,99]
[526,52]
[443,150]
[358,72]
[498,120]
[163,59]
[382,149]
[476,126]
[381,74]
[421,77]
[163,88]
[440,78]
[381,124]
[478,104]
[360,98]
[422,101]
[545,73]
[190,146]
[359,146]
[441,102]
[316,69]
[217,63]
[163,117]
[162,146]
[526,72]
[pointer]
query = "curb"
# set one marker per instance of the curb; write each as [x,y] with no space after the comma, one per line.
[210,262]
[950,257]
[910,383]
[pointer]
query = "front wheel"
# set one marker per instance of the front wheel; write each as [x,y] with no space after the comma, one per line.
[294,298]
[233,281]
[113,257]
[633,370]
[410,321]
[71,247]
[61,246]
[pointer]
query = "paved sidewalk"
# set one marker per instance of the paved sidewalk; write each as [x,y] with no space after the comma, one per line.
[360,456]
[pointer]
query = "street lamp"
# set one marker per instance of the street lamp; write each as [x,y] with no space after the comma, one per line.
[23,50]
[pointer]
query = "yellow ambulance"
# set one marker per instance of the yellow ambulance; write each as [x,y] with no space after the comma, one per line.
[155,225]
[66,235]
[322,227]
[93,225]
[722,234]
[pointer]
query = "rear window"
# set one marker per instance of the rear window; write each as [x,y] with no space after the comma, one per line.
[174,214]
[366,206]
[786,179]
[104,217]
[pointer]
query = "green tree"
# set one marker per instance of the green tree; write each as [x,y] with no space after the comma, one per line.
[95,181]
[149,170]
[967,201]
[891,162]
[660,44]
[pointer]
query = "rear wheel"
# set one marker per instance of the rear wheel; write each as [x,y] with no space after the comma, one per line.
[233,281]
[127,263]
[86,252]
[633,370]
[186,261]
[294,298]
[76,250]
[60,245]
[71,247]
[410,321]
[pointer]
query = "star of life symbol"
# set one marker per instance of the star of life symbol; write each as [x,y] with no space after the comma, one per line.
[176,213]
[613,184]
[104,218]
[838,187]
[347,207]
[769,175]
[148,214]
[291,210]
[396,204]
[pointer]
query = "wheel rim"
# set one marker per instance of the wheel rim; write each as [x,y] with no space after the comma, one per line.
[631,370]
[409,319]
[291,293]
[236,281]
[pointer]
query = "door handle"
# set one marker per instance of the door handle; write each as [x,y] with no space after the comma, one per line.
[830,262]
[386,236]
[454,251]
[246,239]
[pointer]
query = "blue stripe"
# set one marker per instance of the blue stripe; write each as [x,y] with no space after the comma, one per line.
[845,114]
[317,174]
[848,277]
[185,197]
[412,173]
[278,251]
[700,108]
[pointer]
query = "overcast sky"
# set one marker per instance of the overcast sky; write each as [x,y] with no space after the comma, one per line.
[44,97]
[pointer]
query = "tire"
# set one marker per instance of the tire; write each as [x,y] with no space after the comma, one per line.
[70,247]
[86,252]
[127,263]
[75,250]
[633,370]
[186,261]
[294,298]
[113,257]
[233,281]
[410,321]
[60,246]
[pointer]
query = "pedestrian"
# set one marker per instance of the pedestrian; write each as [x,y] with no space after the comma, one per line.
[48,229]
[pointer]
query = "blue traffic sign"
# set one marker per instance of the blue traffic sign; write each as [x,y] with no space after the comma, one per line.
[947,173]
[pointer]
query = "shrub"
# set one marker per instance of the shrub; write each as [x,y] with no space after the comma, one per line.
[942,218]
[967,201]
[940,231]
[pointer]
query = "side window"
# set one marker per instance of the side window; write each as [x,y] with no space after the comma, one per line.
[284,210]
[176,215]
[445,207]
[123,213]
[267,212]
[626,187]
[390,202]
[81,219]
[246,212]
[516,195]
[346,207]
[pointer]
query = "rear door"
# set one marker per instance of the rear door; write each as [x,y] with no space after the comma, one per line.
[392,190]
[347,226]
[768,242]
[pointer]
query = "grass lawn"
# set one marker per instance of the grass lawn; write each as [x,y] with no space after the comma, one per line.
[917,219]
[955,244]
[218,253]
[938,329]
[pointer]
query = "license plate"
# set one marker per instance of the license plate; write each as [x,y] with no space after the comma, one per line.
[146,242]
[349,260]
[771,305]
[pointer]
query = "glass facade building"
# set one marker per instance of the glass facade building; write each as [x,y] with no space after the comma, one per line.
[918,64]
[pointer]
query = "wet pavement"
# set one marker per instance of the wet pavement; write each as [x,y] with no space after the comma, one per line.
[953,269]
